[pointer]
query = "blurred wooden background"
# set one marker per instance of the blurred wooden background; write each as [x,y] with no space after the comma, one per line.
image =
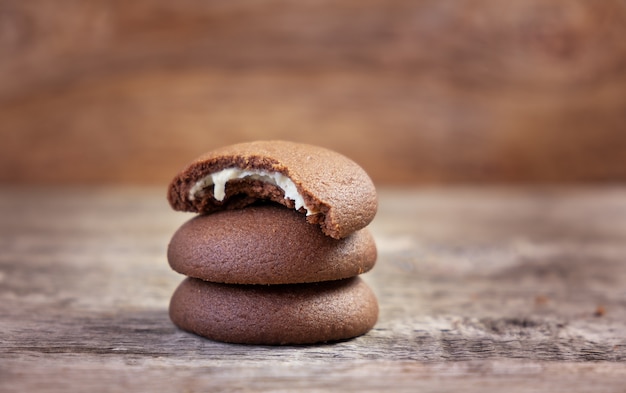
[415,91]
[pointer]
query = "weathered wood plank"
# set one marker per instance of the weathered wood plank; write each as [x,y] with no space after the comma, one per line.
[479,289]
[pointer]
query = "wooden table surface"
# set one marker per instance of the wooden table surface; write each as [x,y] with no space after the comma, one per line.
[480,290]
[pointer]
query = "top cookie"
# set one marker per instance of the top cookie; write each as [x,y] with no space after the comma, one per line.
[332,190]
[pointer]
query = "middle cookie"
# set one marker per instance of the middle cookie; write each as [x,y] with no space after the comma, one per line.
[266,244]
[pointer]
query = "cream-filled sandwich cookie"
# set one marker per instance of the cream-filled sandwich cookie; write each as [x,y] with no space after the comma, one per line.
[330,189]
[275,314]
[266,244]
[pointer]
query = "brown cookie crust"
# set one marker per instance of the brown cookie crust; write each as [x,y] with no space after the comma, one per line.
[330,183]
[266,244]
[275,314]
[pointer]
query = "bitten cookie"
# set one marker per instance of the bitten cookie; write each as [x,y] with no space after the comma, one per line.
[332,190]
[275,314]
[266,244]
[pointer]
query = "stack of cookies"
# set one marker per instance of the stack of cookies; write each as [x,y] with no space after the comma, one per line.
[274,255]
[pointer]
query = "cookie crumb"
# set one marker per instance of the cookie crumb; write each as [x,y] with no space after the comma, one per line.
[600,311]
[541,300]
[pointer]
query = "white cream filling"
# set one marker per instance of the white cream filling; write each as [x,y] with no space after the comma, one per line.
[219,179]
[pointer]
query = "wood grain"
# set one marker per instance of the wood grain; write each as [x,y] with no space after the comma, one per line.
[417,92]
[480,290]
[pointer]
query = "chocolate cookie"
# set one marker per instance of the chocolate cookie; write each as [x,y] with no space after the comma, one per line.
[267,244]
[275,314]
[329,188]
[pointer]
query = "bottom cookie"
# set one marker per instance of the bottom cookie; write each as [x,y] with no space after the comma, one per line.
[275,314]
